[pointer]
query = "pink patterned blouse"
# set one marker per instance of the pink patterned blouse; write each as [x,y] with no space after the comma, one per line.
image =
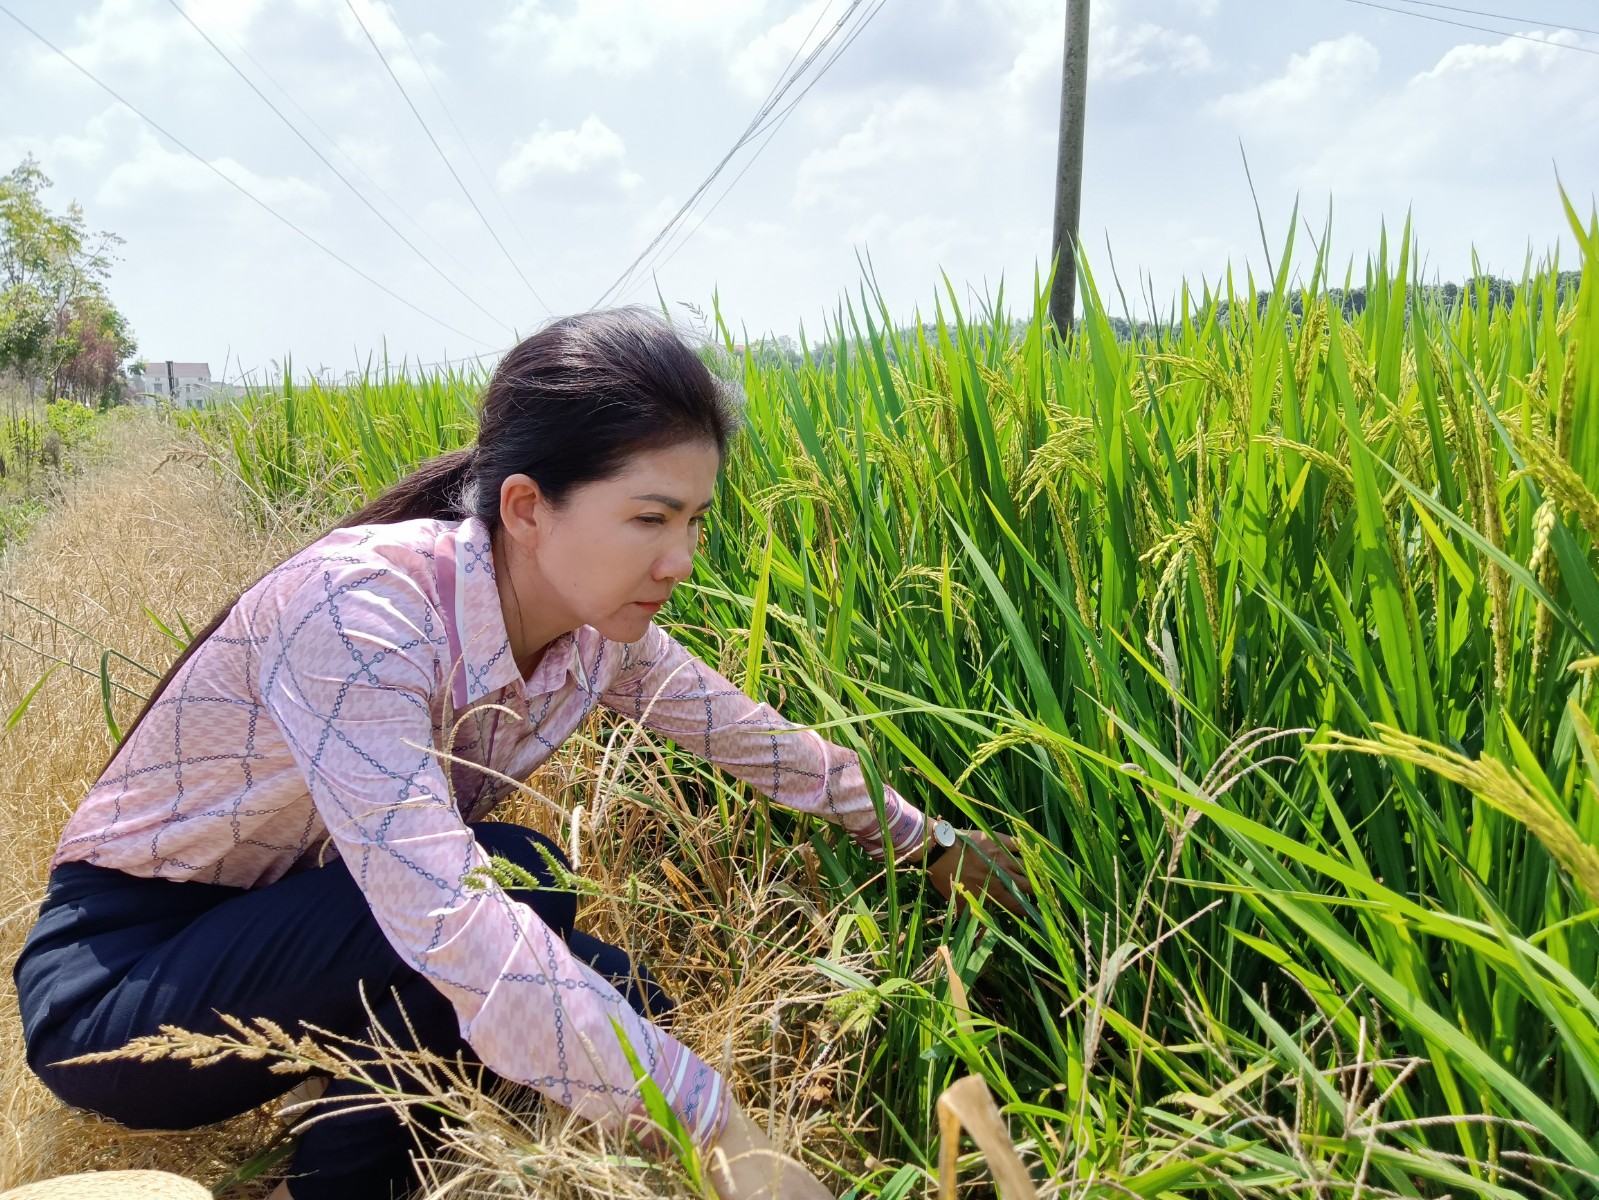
[306,725]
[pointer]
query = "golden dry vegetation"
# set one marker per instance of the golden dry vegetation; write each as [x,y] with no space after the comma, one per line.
[152,528]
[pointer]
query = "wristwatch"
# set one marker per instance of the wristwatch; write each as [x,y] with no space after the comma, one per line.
[943,834]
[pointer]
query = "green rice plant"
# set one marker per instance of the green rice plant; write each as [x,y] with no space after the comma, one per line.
[1273,629]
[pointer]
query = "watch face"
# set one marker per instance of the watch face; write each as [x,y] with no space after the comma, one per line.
[944,833]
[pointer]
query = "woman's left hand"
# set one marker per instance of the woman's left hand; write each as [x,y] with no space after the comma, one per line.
[981,865]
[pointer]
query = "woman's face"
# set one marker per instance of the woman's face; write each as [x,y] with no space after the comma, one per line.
[610,555]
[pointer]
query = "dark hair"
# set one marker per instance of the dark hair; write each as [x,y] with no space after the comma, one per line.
[568,406]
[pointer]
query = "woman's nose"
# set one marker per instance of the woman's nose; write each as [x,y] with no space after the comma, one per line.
[676,564]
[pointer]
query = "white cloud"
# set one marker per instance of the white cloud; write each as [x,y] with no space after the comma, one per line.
[1126,52]
[379,21]
[1121,46]
[929,236]
[80,150]
[117,37]
[147,33]
[893,131]
[918,141]
[1322,82]
[155,171]
[1407,138]
[135,165]
[756,67]
[371,153]
[620,37]
[592,149]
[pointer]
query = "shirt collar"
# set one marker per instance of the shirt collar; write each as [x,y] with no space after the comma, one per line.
[481,661]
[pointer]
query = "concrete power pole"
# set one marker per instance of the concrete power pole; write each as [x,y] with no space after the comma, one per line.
[1069,165]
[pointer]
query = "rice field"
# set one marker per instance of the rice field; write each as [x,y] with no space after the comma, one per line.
[1271,628]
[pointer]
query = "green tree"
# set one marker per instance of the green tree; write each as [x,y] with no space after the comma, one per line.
[54,307]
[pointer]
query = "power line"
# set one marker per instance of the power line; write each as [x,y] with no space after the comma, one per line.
[1520,37]
[773,123]
[763,118]
[676,244]
[354,191]
[1477,12]
[679,239]
[236,186]
[378,50]
[356,166]
[462,138]
[621,285]
[468,358]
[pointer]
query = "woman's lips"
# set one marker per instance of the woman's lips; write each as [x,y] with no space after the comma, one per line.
[651,606]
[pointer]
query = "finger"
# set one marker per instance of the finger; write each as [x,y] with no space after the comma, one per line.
[1020,884]
[987,848]
[999,843]
[1002,858]
[1002,896]
[990,883]
[977,879]
[1010,862]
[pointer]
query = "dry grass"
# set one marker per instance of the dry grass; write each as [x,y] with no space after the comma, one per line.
[152,529]
[727,938]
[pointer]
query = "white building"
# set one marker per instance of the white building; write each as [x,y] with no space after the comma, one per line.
[185,384]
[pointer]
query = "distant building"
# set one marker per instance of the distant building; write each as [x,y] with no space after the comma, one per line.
[185,384]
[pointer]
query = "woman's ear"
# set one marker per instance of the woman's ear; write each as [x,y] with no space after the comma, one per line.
[523,508]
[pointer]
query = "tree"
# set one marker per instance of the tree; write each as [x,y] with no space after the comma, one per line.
[54,307]
[93,342]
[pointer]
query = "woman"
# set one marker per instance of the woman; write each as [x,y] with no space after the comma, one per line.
[486,604]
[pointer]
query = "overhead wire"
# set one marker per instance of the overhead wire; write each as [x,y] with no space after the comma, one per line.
[765,104]
[780,87]
[406,96]
[234,184]
[1505,33]
[757,124]
[669,251]
[774,123]
[342,178]
[1498,16]
[449,116]
[353,163]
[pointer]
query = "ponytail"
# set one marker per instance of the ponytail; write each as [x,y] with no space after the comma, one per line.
[435,489]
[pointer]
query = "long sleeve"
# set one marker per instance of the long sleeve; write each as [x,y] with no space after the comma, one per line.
[662,685]
[348,675]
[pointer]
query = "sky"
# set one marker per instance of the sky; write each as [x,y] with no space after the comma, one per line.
[552,140]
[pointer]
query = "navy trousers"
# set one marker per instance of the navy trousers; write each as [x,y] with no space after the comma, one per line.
[113,957]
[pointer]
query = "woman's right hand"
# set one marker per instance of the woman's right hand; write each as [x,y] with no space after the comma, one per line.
[745,1165]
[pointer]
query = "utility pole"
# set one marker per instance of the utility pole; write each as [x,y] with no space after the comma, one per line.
[1069,165]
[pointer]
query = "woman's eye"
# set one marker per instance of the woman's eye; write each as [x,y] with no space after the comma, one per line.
[653,519]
